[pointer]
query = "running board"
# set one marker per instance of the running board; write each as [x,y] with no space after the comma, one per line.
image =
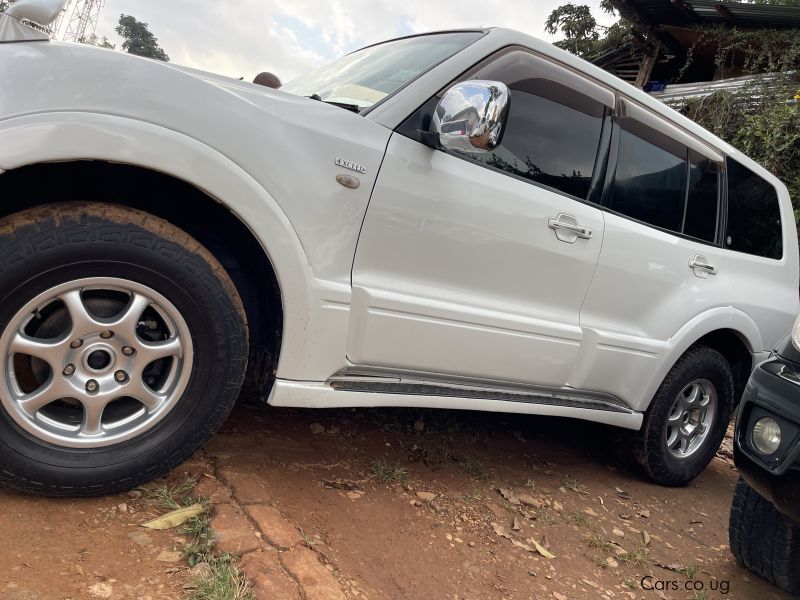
[350,393]
[550,396]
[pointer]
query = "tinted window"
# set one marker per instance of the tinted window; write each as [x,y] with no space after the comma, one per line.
[553,131]
[702,199]
[754,219]
[650,180]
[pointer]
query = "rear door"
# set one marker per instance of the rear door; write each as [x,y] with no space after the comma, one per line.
[662,261]
[466,266]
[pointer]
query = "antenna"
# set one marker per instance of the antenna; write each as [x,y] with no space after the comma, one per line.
[83,22]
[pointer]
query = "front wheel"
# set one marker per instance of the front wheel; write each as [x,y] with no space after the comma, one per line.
[687,419]
[123,343]
[763,540]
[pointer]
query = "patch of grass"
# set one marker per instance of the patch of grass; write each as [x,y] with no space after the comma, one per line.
[221,581]
[574,485]
[700,596]
[690,570]
[201,543]
[171,496]
[639,557]
[530,484]
[598,542]
[474,468]
[388,473]
[579,519]
[545,516]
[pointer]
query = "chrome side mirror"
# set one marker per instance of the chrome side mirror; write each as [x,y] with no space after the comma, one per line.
[471,116]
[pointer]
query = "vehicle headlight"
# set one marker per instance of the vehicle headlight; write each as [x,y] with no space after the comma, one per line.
[766,436]
[796,334]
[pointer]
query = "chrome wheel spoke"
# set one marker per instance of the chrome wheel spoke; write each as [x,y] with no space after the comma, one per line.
[82,321]
[50,392]
[142,392]
[92,423]
[694,395]
[128,321]
[150,352]
[50,352]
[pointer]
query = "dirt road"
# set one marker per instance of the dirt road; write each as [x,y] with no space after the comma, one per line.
[405,504]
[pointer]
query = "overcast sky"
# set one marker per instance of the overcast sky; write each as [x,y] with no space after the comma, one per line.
[291,37]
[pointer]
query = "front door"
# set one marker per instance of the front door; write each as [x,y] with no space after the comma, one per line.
[470,266]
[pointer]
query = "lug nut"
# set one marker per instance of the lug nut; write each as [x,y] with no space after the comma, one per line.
[69,370]
[91,386]
[121,376]
[76,344]
[128,351]
[107,334]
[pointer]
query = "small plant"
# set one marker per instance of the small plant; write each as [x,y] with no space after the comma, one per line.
[474,467]
[172,496]
[388,473]
[699,596]
[598,542]
[221,581]
[572,484]
[690,571]
[579,519]
[639,557]
[530,484]
[201,543]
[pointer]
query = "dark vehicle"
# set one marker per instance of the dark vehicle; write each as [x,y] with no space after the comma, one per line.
[765,514]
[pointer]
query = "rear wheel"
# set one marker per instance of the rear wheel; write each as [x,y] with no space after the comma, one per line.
[687,419]
[764,540]
[123,343]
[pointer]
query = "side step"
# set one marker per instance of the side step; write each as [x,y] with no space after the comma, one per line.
[553,397]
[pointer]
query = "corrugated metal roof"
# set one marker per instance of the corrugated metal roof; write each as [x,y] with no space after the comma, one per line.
[676,93]
[708,12]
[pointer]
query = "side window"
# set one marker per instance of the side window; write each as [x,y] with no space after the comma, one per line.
[754,218]
[650,180]
[553,131]
[702,198]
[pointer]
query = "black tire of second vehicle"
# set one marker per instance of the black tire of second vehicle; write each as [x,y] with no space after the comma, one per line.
[650,453]
[46,246]
[763,540]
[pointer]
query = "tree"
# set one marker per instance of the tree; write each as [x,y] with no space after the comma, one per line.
[93,40]
[137,39]
[582,34]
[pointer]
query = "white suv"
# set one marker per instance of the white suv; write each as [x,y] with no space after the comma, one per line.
[466,220]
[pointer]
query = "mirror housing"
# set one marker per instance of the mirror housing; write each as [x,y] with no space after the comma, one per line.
[471,116]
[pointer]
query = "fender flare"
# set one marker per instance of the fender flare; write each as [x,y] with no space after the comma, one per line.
[715,319]
[68,136]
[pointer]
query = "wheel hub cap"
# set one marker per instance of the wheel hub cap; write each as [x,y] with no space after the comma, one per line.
[75,378]
[690,418]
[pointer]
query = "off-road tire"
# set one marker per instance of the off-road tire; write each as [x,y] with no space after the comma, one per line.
[52,244]
[650,454]
[763,540]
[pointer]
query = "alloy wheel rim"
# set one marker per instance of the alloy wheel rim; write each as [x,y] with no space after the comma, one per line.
[94,362]
[690,419]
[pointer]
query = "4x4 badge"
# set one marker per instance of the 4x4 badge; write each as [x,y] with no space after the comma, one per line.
[349,164]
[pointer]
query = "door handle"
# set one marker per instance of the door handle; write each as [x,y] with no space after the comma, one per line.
[567,228]
[700,263]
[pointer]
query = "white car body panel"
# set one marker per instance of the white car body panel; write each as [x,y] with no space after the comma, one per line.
[485,282]
[269,157]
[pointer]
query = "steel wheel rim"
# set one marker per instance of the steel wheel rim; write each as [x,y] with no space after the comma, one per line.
[690,419]
[98,365]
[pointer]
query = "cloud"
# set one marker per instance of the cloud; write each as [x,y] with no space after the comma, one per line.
[290,37]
